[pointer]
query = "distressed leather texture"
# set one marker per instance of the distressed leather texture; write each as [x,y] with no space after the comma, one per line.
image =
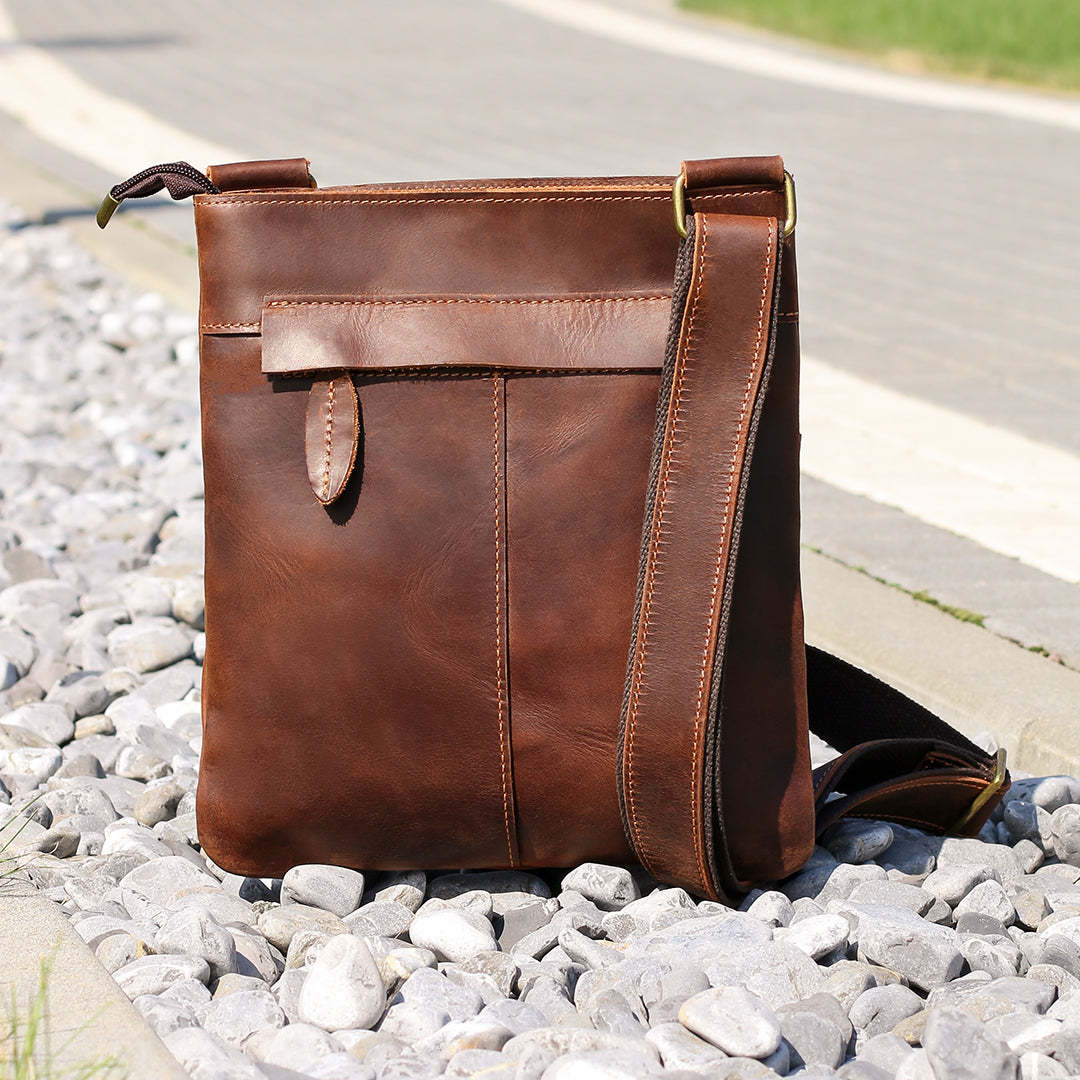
[502,560]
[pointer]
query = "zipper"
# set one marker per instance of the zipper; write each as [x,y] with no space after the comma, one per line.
[178,177]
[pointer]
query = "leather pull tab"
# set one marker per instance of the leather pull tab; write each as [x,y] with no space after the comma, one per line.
[733,172]
[331,436]
[255,175]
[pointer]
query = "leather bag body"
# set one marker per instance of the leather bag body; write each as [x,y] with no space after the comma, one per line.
[502,534]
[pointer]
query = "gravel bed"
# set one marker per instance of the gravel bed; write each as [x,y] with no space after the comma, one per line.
[892,954]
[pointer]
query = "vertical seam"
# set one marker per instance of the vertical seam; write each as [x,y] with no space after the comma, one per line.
[654,555]
[498,622]
[724,547]
[329,443]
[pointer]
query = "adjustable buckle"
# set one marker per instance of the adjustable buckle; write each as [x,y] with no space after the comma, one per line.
[985,795]
[678,200]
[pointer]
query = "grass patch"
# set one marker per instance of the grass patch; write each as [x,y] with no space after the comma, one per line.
[1026,41]
[956,612]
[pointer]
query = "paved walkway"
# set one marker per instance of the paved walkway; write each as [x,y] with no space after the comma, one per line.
[937,245]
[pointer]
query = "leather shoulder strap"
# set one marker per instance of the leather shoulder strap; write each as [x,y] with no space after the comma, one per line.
[897,761]
[711,394]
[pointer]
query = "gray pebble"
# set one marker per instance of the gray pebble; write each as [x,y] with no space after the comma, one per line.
[999,958]
[847,980]
[236,1017]
[54,722]
[279,924]
[734,1020]
[385,918]
[404,887]
[812,1039]
[773,908]
[499,967]
[298,1045]
[197,933]
[845,879]
[522,921]
[1065,831]
[819,935]
[205,1055]
[148,644]
[286,991]
[854,841]
[958,1047]
[452,935]
[28,767]
[333,888]
[609,887]
[508,888]
[158,802]
[1049,792]
[880,1008]
[813,876]
[413,1022]
[82,692]
[343,988]
[682,1049]
[489,1064]
[987,898]
[118,950]
[894,894]
[863,1070]
[588,952]
[603,1065]
[155,974]
[967,851]
[887,1051]
[1026,821]
[164,1016]
[925,954]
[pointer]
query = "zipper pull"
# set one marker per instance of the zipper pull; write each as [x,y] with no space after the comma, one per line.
[178,177]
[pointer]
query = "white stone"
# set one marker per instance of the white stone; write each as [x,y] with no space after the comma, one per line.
[28,766]
[819,935]
[733,1019]
[148,644]
[343,989]
[155,974]
[452,935]
[332,888]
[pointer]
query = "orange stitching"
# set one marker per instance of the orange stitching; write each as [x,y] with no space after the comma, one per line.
[498,626]
[370,201]
[229,326]
[287,304]
[698,717]
[329,440]
[653,570]
[249,200]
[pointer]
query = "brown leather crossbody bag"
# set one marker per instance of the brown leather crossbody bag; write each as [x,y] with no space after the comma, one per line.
[502,534]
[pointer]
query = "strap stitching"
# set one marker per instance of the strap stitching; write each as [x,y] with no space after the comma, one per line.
[498,624]
[329,442]
[249,200]
[419,301]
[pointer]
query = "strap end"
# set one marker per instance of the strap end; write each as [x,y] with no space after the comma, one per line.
[987,793]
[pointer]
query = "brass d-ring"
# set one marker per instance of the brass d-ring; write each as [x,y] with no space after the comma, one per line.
[678,201]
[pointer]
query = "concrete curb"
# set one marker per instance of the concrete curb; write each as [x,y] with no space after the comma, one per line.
[968,676]
[88,1019]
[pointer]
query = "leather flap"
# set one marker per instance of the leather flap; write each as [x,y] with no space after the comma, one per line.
[331,436]
[550,334]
